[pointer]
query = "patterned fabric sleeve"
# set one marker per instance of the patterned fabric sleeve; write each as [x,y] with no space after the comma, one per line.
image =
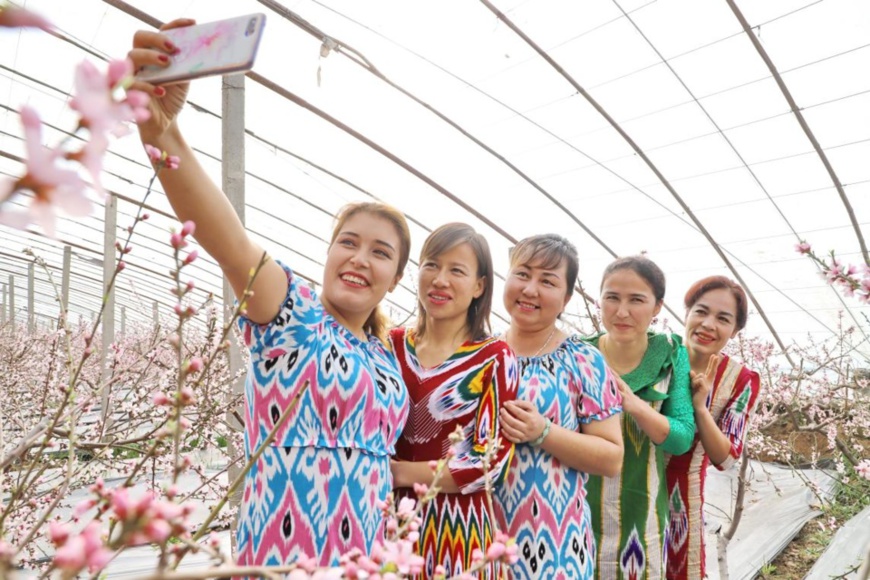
[600,397]
[499,383]
[678,407]
[734,421]
[258,337]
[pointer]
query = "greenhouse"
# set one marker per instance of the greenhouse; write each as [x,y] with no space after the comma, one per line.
[720,138]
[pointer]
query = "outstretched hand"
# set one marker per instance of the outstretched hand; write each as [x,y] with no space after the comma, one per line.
[702,383]
[152,48]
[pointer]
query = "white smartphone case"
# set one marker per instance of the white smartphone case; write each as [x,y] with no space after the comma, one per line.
[213,48]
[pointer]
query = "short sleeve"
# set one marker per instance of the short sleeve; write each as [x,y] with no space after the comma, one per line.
[736,416]
[599,396]
[500,383]
[677,408]
[297,304]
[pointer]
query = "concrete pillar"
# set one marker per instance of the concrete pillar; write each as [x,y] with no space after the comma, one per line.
[108,321]
[233,183]
[64,280]
[31,302]
[12,302]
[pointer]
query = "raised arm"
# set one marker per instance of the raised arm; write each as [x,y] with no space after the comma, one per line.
[193,195]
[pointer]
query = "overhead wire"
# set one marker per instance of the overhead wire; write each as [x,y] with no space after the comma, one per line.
[799,116]
[649,163]
[562,140]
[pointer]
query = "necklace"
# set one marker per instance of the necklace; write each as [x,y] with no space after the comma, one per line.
[543,346]
[546,342]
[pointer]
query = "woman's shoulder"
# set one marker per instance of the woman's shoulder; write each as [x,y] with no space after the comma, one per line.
[492,346]
[744,373]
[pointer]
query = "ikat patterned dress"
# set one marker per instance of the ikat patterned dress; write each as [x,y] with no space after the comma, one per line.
[731,401]
[314,490]
[543,503]
[467,390]
[630,511]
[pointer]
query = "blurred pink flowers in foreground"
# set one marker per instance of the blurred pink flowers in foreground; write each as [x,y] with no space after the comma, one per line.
[53,175]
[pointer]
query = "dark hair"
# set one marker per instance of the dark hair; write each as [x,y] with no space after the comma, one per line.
[709,283]
[643,267]
[445,239]
[377,321]
[548,251]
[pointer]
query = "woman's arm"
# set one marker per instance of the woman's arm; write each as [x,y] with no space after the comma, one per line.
[407,473]
[194,196]
[715,443]
[734,421]
[678,409]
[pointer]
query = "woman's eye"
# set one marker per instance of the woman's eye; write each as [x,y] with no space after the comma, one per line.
[383,253]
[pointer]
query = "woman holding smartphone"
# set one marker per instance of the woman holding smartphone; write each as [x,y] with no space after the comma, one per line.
[724,393]
[314,490]
[457,376]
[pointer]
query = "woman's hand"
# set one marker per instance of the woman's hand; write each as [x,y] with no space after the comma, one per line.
[630,401]
[702,383]
[521,422]
[154,48]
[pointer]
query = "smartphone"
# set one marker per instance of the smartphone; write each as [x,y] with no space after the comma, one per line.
[213,48]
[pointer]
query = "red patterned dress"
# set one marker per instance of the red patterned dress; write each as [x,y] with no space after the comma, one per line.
[467,390]
[731,401]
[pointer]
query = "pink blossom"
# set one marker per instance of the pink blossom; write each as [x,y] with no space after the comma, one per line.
[406,508]
[187,396]
[83,550]
[154,154]
[71,556]
[195,365]
[172,162]
[187,228]
[13,17]
[160,399]
[177,241]
[863,468]
[52,186]
[191,257]
[58,533]
[803,248]
[100,112]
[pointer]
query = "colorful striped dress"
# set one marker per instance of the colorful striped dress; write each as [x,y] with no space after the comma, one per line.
[314,491]
[731,401]
[467,390]
[542,504]
[630,511]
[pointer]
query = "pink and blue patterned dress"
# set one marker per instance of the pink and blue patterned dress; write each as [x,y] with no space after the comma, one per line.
[315,490]
[466,390]
[542,504]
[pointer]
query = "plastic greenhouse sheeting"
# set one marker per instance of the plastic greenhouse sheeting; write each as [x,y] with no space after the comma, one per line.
[846,551]
[777,505]
[526,152]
